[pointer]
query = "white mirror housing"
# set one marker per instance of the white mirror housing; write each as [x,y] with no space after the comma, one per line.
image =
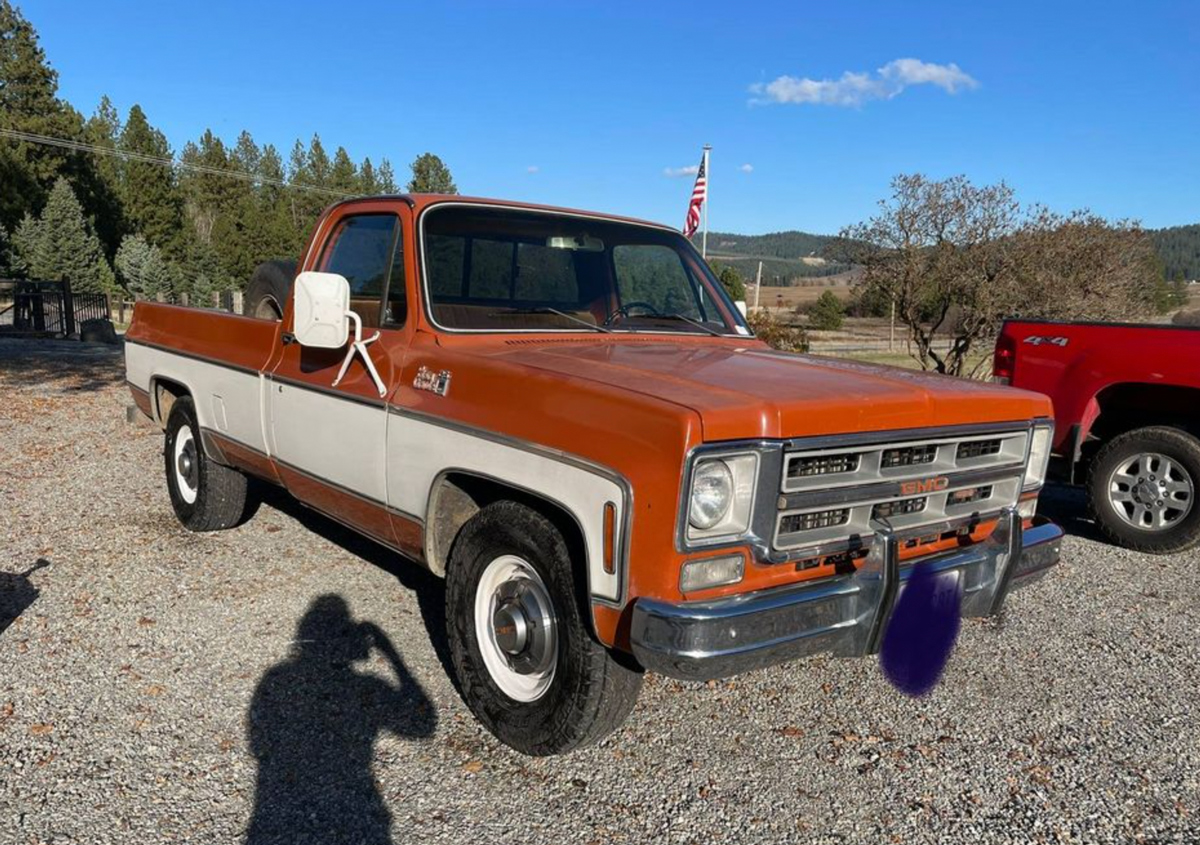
[320,317]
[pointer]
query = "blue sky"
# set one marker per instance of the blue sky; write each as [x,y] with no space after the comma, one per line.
[1090,104]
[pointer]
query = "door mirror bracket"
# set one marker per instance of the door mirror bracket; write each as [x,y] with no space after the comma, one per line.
[321,318]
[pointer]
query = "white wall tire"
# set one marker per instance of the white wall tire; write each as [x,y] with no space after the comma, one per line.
[186,464]
[534,632]
[205,495]
[582,692]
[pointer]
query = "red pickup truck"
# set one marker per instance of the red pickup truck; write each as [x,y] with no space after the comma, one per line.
[1127,420]
[564,415]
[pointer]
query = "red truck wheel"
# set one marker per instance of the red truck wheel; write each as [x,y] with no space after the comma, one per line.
[205,495]
[1142,490]
[527,665]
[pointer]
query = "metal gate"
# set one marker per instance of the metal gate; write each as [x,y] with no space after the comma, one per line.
[46,309]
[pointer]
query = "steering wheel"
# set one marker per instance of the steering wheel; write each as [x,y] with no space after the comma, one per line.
[624,311]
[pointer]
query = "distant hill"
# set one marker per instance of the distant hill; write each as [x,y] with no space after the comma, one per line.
[790,256]
[1178,247]
[785,255]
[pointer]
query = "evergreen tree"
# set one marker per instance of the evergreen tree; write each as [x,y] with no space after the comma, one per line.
[149,192]
[343,176]
[386,178]
[103,129]
[28,103]
[827,313]
[60,245]
[143,270]
[430,175]
[368,182]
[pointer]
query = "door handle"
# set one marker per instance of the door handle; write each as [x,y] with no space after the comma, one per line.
[288,338]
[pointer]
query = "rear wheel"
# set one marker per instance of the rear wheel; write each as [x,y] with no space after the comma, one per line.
[527,663]
[206,496]
[1142,489]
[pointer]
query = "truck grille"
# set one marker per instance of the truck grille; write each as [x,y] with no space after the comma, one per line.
[836,497]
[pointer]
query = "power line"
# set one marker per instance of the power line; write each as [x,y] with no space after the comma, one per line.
[95,149]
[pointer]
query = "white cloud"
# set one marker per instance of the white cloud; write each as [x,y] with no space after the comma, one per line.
[854,89]
[747,168]
[681,171]
[533,168]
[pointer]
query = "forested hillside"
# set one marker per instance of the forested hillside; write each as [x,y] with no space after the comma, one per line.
[1179,249]
[785,255]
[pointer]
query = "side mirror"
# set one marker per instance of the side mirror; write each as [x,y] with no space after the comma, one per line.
[321,316]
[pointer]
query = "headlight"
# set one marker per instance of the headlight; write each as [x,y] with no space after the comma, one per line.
[721,497]
[712,494]
[1039,456]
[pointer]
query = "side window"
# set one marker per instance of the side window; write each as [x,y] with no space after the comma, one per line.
[361,249]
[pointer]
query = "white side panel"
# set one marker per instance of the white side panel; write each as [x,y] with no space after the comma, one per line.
[418,451]
[239,390]
[335,439]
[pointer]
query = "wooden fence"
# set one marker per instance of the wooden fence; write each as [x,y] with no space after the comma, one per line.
[231,301]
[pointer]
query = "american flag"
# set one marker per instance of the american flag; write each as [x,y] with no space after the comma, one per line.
[699,195]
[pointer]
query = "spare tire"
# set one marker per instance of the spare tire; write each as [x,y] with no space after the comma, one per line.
[269,289]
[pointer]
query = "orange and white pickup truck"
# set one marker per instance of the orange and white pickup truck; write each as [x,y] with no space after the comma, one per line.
[564,415]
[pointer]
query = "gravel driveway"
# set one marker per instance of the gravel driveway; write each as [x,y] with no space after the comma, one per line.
[161,686]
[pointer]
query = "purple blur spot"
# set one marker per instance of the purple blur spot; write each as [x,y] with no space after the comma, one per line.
[922,631]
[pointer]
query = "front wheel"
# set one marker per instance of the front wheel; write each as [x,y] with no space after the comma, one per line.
[1142,490]
[527,663]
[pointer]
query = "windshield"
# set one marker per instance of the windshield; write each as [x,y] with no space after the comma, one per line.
[511,270]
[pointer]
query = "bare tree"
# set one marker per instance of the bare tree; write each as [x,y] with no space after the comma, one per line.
[956,258]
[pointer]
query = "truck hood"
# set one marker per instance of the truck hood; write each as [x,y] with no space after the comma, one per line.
[749,390]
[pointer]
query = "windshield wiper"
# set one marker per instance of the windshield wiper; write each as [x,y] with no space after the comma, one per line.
[549,310]
[688,320]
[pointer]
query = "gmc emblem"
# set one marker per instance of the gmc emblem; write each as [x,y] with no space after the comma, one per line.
[928,485]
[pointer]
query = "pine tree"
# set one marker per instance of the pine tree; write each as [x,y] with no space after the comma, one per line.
[387,178]
[60,245]
[29,103]
[143,270]
[430,175]
[149,192]
[368,182]
[343,176]
[103,129]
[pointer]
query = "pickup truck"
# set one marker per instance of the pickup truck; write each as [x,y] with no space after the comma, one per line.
[1127,412]
[564,415]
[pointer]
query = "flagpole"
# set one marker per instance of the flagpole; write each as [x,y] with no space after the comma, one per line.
[707,184]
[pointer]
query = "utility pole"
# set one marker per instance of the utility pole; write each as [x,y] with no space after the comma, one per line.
[757,285]
[892,328]
[707,183]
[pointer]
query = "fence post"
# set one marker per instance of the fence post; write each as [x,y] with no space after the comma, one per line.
[160,297]
[183,299]
[237,302]
[68,308]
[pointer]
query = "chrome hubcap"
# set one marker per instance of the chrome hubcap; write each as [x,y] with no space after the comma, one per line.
[516,628]
[1151,491]
[186,462]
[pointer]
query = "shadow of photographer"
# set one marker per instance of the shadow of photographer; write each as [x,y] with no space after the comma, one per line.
[17,593]
[312,726]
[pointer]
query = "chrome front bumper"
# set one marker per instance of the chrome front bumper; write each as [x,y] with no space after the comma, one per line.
[845,615]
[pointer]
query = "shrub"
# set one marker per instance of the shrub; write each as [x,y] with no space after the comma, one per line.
[827,313]
[777,334]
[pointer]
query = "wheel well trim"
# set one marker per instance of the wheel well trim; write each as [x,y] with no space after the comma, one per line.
[621,553]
